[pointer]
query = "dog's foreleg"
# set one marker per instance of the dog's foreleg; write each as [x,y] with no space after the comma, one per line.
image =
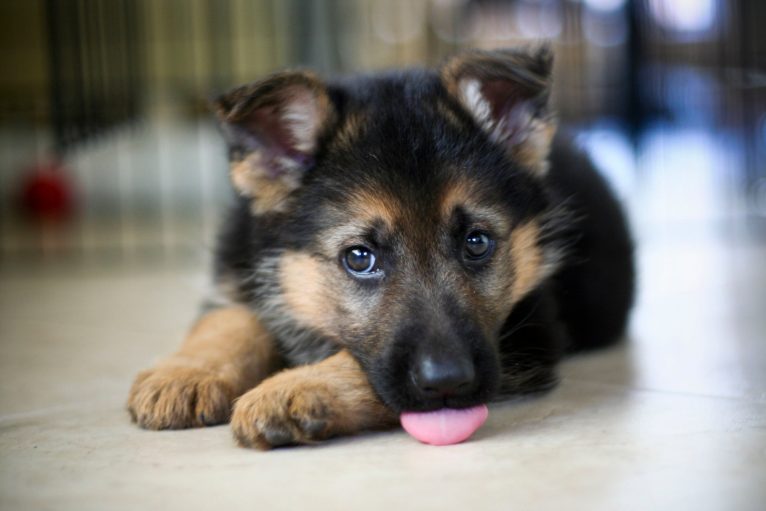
[226,353]
[308,404]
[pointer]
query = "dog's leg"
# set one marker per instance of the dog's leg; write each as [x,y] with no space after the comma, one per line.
[226,353]
[310,403]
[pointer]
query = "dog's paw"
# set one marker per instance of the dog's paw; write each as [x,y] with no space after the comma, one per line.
[179,397]
[285,410]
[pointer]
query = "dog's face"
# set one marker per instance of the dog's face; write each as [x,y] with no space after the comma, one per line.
[407,212]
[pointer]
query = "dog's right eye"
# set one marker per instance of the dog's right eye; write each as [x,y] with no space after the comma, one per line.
[478,246]
[360,261]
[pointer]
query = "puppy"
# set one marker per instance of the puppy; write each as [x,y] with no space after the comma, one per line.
[404,241]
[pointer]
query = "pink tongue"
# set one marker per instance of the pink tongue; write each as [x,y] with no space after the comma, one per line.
[446,426]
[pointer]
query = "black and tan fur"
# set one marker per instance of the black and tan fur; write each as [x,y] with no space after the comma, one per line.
[409,165]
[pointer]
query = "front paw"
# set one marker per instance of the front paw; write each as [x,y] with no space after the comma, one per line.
[179,397]
[285,411]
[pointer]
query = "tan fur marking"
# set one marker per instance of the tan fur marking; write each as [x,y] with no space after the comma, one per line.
[369,206]
[450,116]
[302,280]
[452,71]
[364,208]
[227,352]
[308,404]
[456,194]
[527,259]
[352,127]
[326,115]
[462,194]
[533,152]
[268,193]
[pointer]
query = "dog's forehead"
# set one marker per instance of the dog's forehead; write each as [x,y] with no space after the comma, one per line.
[394,110]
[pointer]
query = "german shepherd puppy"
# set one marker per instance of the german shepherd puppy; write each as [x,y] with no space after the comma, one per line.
[404,241]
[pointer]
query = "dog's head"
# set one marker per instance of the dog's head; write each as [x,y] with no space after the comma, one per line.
[406,211]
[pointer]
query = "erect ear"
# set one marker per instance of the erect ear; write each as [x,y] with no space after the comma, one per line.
[506,92]
[273,128]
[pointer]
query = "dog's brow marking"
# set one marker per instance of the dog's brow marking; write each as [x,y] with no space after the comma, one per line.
[455,194]
[368,207]
[461,194]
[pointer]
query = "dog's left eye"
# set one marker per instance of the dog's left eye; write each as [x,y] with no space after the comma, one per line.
[478,246]
[360,261]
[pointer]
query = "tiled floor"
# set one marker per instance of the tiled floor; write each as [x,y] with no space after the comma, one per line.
[673,419]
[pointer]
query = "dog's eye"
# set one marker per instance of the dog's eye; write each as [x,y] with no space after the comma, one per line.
[360,260]
[478,246]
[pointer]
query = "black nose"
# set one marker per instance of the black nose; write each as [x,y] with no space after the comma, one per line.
[436,377]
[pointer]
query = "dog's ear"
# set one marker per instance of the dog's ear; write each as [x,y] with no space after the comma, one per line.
[506,92]
[273,128]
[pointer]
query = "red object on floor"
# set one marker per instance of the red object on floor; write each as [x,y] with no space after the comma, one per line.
[47,194]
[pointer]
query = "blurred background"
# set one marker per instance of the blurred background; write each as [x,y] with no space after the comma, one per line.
[109,156]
